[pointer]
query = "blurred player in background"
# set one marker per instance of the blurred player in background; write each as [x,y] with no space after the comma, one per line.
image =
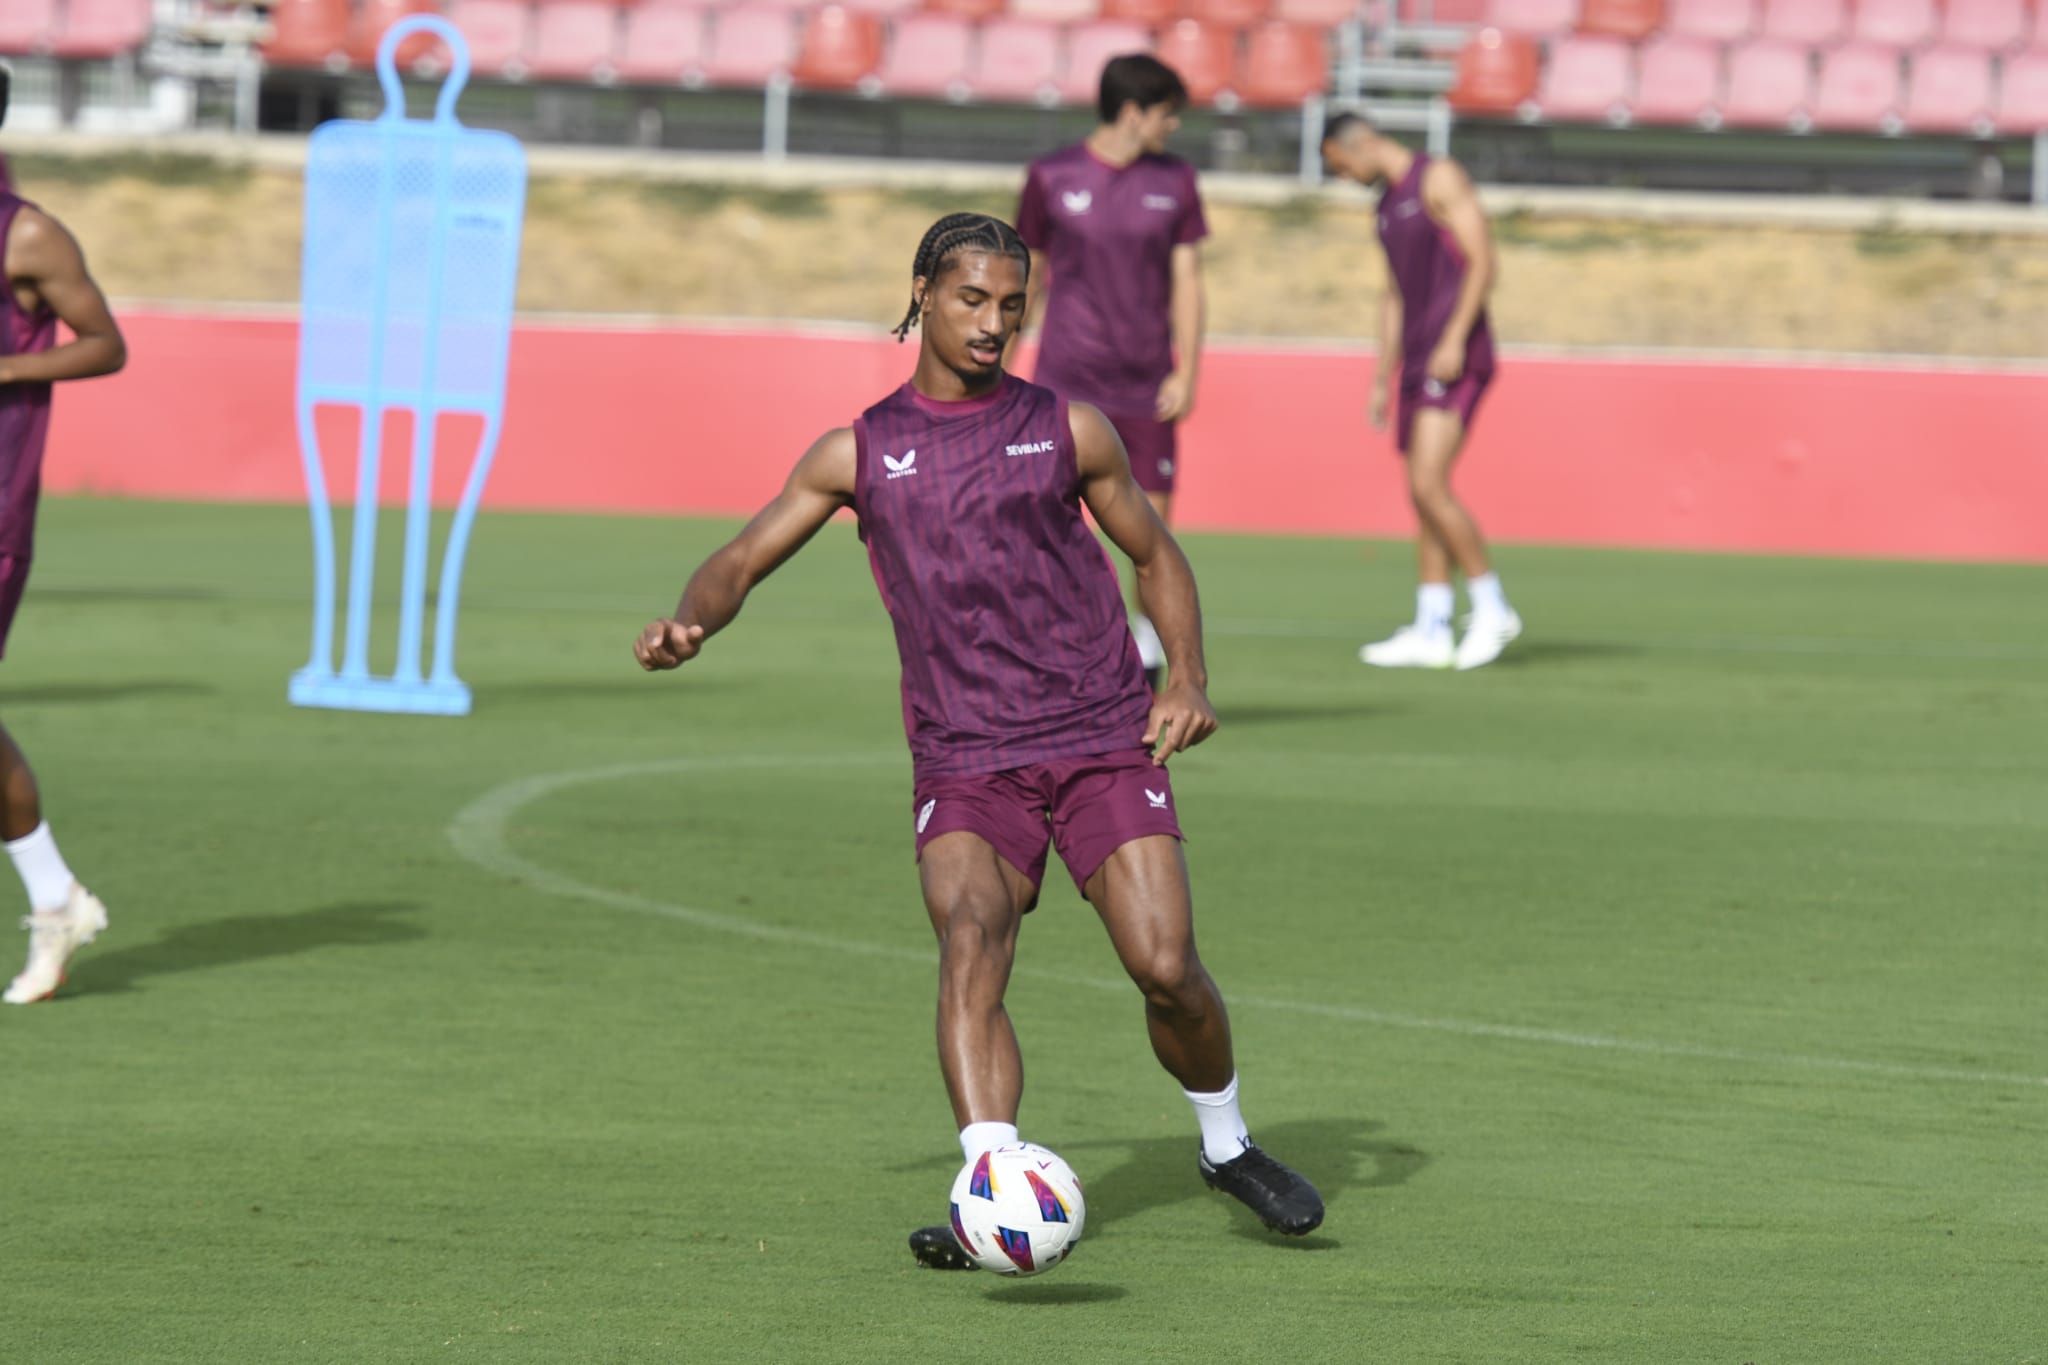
[1433,328]
[1029,720]
[1115,227]
[47,283]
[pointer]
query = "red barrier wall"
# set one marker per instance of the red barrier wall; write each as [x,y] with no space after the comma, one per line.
[1723,455]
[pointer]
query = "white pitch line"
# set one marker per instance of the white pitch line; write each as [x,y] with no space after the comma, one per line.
[478,835]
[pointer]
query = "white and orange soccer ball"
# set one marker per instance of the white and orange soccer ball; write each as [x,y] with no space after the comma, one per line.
[1017,1209]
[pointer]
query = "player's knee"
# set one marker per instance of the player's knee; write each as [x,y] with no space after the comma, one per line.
[1172,979]
[978,931]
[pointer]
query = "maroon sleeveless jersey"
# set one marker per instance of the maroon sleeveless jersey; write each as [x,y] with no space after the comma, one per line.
[24,408]
[1429,269]
[1008,616]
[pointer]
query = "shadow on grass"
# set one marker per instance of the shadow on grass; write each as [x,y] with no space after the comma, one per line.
[1337,1156]
[1527,653]
[127,592]
[99,693]
[1051,1293]
[242,938]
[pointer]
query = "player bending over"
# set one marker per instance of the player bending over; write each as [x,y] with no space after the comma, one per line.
[47,283]
[1433,318]
[1029,718]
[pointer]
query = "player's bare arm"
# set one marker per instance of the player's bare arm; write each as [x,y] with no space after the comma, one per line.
[1389,358]
[1188,307]
[45,267]
[819,486]
[1181,716]
[1449,195]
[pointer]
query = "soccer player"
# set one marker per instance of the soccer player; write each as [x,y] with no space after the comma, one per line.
[1116,224]
[1029,718]
[46,283]
[1433,328]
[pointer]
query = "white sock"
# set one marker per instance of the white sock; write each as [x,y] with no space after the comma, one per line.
[1224,1136]
[42,868]
[1151,653]
[1433,605]
[1487,598]
[977,1138]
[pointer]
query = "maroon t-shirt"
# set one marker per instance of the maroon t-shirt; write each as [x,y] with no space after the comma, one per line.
[1429,269]
[1108,235]
[24,408]
[1009,621]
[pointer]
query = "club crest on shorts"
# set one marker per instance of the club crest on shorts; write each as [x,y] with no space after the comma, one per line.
[924,816]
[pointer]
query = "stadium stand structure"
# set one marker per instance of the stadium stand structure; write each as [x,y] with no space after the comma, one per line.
[1533,85]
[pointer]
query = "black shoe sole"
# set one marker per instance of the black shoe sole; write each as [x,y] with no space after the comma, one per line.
[937,1249]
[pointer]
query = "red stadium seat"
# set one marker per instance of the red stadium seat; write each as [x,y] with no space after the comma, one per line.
[308,33]
[1634,20]
[98,29]
[838,50]
[1903,24]
[1586,81]
[1815,23]
[575,40]
[928,57]
[26,26]
[749,46]
[888,9]
[1858,90]
[1713,21]
[966,9]
[787,6]
[1204,55]
[1089,48]
[1316,13]
[1769,85]
[1444,11]
[497,32]
[1054,11]
[1017,61]
[1949,91]
[1237,14]
[1678,80]
[1538,18]
[1151,13]
[2023,95]
[1988,25]
[663,45]
[375,17]
[1496,73]
[1285,64]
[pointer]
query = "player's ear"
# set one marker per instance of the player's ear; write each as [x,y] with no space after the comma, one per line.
[920,295]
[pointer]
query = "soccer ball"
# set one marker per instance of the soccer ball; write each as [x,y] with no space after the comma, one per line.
[1017,1209]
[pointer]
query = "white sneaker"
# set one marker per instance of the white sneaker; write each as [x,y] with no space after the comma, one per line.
[1410,647]
[53,936]
[1486,635]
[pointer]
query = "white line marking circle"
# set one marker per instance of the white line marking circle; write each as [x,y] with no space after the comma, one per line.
[478,835]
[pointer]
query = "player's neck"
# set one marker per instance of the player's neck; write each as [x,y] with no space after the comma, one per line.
[939,382]
[1113,146]
[1396,164]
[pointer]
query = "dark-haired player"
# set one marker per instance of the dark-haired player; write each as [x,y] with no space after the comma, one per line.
[1115,225]
[1433,323]
[1029,718]
[46,283]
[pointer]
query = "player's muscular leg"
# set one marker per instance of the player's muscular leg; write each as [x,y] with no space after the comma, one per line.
[21,808]
[1142,895]
[1432,450]
[976,901]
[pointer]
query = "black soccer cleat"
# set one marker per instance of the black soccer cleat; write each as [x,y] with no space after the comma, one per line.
[936,1248]
[1279,1196]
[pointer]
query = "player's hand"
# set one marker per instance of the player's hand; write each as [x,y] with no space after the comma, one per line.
[1376,408]
[667,644]
[1176,397]
[1181,719]
[1447,361]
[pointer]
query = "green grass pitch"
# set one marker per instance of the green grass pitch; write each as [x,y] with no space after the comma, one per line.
[1676,990]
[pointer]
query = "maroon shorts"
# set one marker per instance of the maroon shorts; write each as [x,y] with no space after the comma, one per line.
[13,579]
[1461,397]
[1154,449]
[1086,807]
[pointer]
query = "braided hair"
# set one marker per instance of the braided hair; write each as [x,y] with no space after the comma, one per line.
[947,238]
